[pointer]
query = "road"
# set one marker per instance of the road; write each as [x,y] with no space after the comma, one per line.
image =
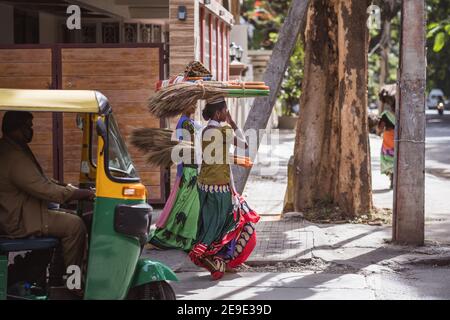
[438,144]
[437,178]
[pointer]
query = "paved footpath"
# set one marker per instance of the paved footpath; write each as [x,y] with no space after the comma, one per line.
[295,259]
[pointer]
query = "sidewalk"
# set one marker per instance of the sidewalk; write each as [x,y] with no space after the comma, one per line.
[346,261]
[295,259]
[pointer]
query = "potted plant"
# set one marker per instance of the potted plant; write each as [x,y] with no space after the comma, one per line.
[290,92]
[289,115]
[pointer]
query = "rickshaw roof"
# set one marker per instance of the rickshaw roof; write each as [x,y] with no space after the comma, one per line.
[82,101]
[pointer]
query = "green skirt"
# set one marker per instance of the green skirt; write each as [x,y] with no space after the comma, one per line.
[387,164]
[180,229]
[216,217]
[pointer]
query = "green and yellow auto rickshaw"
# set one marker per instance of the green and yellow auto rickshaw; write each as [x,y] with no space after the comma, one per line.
[120,215]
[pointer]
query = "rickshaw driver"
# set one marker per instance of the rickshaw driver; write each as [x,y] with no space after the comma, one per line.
[25,193]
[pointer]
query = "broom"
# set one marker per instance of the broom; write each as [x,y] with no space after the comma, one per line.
[157,145]
[175,99]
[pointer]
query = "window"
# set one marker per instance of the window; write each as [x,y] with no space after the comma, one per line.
[118,160]
[226,53]
[226,5]
[202,35]
[87,34]
[151,33]
[26,27]
[214,48]
[206,38]
[157,33]
[220,52]
[131,32]
[214,42]
[110,32]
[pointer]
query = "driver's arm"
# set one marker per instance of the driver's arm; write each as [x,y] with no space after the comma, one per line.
[25,175]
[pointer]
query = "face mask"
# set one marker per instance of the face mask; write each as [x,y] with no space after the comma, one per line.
[27,134]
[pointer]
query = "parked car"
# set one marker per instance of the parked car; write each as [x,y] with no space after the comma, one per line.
[373,106]
[433,98]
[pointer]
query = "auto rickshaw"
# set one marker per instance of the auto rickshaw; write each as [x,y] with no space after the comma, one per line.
[121,215]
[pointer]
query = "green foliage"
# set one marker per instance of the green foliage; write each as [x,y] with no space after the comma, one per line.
[393,62]
[438,44]
[291,85]
[440,32]
[267,19]
[267,16]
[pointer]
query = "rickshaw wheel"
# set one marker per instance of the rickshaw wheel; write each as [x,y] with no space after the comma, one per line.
[158,290]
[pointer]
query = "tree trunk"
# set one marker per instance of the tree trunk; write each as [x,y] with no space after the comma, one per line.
[331,157]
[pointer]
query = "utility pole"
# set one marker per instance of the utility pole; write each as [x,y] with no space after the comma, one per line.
[409,182]
[261,110]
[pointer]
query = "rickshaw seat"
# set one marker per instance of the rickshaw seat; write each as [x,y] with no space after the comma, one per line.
[12,245]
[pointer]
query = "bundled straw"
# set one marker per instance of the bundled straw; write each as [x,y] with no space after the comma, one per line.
[175,99]
[157,144]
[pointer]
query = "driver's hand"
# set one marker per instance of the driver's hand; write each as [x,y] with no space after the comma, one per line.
[83,194]
[90,194]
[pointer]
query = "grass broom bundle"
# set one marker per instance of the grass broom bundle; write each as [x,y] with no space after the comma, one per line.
[157,145]
[175,99]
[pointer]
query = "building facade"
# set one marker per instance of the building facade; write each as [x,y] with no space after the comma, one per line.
[122,49]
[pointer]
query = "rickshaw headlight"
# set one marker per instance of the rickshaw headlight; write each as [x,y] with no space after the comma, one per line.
[137,191]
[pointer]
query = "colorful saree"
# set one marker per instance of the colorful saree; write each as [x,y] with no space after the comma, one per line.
[387,148]
[177,225]
[226,229]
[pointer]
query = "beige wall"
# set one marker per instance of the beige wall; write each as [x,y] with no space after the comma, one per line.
[7,24]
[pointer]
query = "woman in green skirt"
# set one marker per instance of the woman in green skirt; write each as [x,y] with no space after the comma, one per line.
[177,225]
[226,228]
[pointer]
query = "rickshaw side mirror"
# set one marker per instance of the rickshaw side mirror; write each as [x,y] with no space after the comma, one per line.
[102,132]
[101,128]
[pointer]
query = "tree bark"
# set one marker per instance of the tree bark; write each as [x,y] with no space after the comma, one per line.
[331,157]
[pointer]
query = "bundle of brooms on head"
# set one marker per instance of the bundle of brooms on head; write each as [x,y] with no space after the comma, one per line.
[158,145]
[175,99]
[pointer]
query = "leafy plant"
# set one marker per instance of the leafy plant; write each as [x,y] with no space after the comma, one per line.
[440,32]
[266,18]
[438,40]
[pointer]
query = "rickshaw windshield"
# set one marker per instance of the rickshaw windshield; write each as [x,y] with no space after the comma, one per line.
[120,164]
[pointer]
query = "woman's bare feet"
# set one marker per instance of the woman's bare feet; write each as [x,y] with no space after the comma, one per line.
[230,270]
